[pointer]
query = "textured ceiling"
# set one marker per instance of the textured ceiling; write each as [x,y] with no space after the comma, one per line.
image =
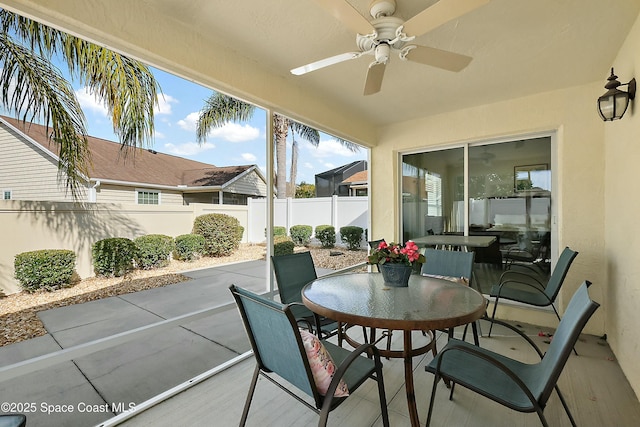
[519,47]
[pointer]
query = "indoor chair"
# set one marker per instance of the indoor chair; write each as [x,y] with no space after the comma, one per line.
[520,386]
[279,347]
[527,288]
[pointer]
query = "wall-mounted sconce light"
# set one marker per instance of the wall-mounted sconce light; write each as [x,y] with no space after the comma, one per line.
[613,104]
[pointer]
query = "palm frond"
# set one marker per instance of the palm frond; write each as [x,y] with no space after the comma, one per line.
[220,109]
[33,89]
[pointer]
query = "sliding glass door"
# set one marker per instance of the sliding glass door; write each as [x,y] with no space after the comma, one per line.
[508,195]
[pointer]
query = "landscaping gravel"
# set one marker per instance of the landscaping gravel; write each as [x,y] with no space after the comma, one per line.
[18,312]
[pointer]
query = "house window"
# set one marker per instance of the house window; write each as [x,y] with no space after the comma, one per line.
[145,197]
[6,195]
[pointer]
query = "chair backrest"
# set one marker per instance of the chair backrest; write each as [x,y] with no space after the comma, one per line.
[580,309]
[559,273]
[448,263]
[373,244]
[293,272]
[275,340]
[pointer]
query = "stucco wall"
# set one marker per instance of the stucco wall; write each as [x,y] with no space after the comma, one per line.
[621,226]
[579,169]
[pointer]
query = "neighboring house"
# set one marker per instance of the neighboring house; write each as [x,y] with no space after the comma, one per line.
[29,171]
[357,184]
[331,182]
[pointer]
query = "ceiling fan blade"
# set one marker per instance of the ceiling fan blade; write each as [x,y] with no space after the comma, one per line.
[438,58]
[344,12]
[374,78]
[325,62]
[441,12]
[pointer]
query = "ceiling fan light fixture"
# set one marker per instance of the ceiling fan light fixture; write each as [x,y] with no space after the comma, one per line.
[382,53]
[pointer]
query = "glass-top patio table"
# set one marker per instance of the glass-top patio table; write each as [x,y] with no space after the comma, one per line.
[426,304]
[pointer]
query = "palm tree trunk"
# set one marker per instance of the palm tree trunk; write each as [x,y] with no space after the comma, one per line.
[281,129]
[291,189]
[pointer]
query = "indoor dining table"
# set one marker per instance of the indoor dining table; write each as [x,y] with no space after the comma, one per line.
[427,304]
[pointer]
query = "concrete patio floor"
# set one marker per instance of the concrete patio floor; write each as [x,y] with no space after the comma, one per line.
[84,392]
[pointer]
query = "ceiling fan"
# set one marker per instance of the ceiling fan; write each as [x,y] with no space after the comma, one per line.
[387,33]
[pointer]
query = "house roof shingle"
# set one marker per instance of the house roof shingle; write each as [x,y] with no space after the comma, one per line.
[109,161]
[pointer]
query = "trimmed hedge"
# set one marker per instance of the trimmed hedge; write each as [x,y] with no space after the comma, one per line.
[327,235]
[113,256]
[48,269]
[282,245]
[189,247]
[301,234]
[222,233]
[154,251]
[352,236]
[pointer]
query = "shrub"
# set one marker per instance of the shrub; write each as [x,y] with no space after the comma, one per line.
[48,269]
[282,245]
[327,235]
[301,234]
[113,256]
[189,247]
[221,233]
[278,230]
[154,250]
[352,236]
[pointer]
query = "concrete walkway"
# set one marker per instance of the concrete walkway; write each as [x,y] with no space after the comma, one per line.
[93,388]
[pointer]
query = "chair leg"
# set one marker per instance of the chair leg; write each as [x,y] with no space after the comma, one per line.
[493,315]
[566,408]
[247,403]
[381,394]
[436,378]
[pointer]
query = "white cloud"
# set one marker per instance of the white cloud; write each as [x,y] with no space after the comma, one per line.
[164,104]
[189,122]
[89,102]
[308,165]
[233,132]
[329,148]
[329,165]
[188,148]
[248,157]
[158,135]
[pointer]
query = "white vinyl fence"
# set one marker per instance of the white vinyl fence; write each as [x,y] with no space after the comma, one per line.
[335,211]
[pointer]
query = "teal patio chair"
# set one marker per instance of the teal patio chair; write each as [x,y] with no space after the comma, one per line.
[292,273]
[13,420]
[278,348]
[453,265]
[527,288]
[519,386]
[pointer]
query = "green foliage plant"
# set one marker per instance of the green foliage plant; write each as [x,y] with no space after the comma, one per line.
[301,234]
[154,251]
[352,236]
[48,269]
[189,247]
[114,257]
[221,233]
[282,245]
[327,235]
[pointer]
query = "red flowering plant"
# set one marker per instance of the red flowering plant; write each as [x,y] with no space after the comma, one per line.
[396,253]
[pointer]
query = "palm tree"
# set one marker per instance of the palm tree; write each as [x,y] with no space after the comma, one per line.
[220,109]
[33,88]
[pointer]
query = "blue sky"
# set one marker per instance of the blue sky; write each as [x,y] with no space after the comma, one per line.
[234,144]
